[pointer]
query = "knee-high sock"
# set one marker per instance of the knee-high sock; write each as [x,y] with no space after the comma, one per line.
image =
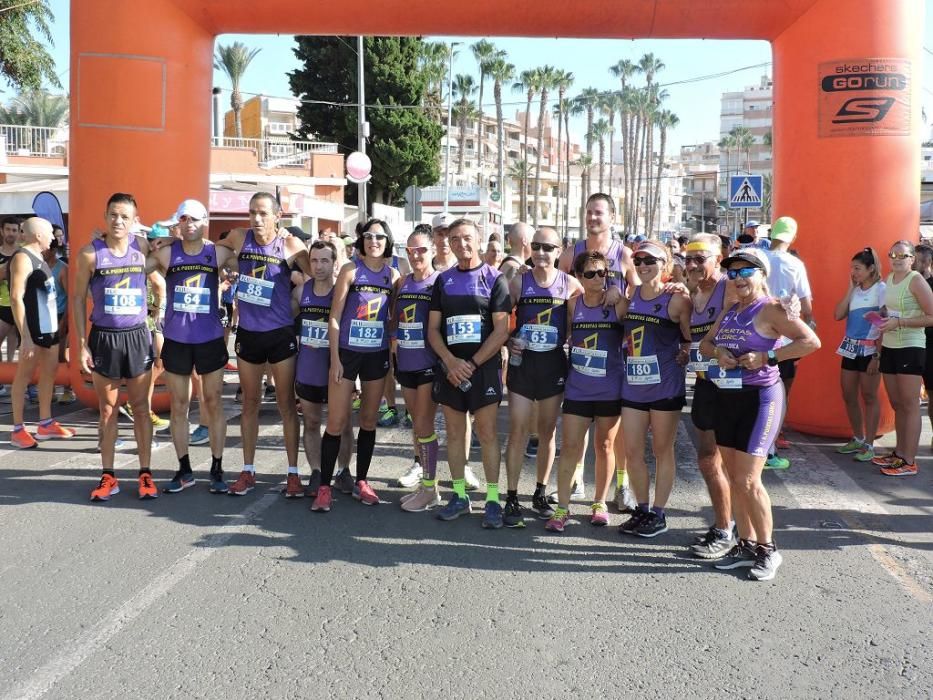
[330,447]
[365,444]
[427,449]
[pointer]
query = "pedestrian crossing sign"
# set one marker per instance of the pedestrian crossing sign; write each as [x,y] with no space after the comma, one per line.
[745,191]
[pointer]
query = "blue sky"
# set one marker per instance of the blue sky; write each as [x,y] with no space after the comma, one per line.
[697,104]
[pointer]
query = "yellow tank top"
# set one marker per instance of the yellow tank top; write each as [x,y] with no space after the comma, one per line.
[901,303]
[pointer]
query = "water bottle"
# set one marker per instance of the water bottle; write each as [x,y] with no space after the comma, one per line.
[463,386]
[518,347]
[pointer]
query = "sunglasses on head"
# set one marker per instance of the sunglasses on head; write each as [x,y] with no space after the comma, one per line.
[697,259]
[743,272]
[417,250]
[590,274]
[899,256]
[644,260]
[546,247]
[368,236]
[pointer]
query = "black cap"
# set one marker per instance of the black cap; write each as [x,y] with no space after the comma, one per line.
[751,256]
[298,233]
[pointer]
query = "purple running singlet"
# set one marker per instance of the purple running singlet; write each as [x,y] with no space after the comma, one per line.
[312,321]
[595,354]
[366,311]
[412,309]
[652,343]
[191,314]
[264,286]
[738,335]
[118,287]
[541,312]
[616,276]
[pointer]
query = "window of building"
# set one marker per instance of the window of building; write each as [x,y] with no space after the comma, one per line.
[278,128]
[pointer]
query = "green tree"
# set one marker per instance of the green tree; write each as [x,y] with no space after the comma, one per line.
[625,70]
[563,79]
[588,100]
[36,108]
[528,82]
[433,57]
[547,81]
[405,142]
[464,110]
[665,120]
[501,71]
[485,53]
[600,132]
[232,61]
[612,105]
[24,60]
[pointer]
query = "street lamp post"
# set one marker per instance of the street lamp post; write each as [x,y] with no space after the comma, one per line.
[450,111]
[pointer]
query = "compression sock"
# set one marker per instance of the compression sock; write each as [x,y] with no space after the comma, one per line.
[365,444]
[428,448]
[492,493]
[184,464]
[459,486]
[621,477]
[330,447]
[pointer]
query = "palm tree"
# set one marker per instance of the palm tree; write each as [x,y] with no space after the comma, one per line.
[433,62]
[612,105]
[640,104]
[573,109]
[624,70]
[519,171]
[585,162]
[528,83]
[547,81]
[464,87]
[665,120]
[727,144]
[563,80]
[743,143]
[485,53]
[766,195]
[588,99]
[36,108]
[233,60]
[600,132]
[501,71]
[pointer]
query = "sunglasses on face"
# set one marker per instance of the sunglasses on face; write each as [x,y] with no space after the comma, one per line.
[417,250]
[899,256]
[546,247]
[696,259]
[743,272]
[374,236]
[644,260]
[590,274]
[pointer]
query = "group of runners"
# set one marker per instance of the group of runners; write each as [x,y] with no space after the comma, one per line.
[597,334]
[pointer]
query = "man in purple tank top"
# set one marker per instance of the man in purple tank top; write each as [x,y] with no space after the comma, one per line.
[266,332]
[194,337]
[113,270]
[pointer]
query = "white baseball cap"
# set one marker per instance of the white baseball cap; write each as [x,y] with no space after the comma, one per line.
[191,208]
[440,221]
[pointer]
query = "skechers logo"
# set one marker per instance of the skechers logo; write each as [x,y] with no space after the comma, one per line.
[864,110]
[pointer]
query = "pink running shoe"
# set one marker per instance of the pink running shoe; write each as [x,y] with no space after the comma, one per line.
[322,500]
[600,515]
[558,521]
[365,494]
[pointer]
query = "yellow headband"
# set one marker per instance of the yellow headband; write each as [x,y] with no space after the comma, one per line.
[700,247]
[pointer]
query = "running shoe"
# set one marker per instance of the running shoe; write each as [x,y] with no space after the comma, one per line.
[713,545]
[406,419]
[455,507]
[293,487]
[54,431]
[118,445]
[782,443]
[230,367]
[866,454]
[147,487]
[577,492]
[558,521]
[899,467]
[108,486]
[425,498]
[492,516]
[322,501]
[741,555]
[22,439]
[357,402]
[513,516]
[159,425]
[540,505]
[179,482]
[472,483]
[651,525]
[68,397]
[767,561]
[269,394]
[32,393]
[365,494]
[885,460]
[388,418]
[777,463]
[629,526]
[412,476]
[531,449]
[199,436]
[851,447]
[599,515]
[344,482]
[244,483]
[314,483]
[218,485]
[238,396]
[474,442]
[126,410]
[625,500]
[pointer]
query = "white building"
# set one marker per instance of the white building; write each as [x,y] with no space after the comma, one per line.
[750,108]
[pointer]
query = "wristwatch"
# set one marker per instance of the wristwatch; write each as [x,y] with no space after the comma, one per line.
[772,359]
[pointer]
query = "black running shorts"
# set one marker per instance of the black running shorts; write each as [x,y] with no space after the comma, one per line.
[368,366]
[260,347]
[121,353]
[181,358]
[486,389]
[541,375]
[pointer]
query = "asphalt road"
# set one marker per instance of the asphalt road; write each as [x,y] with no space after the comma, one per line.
[201,596]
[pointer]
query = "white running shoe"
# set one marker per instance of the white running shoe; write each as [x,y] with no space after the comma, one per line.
[411,477]
[472,483]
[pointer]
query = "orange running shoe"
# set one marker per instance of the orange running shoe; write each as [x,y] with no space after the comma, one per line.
[293,487]
[54,430]
[147,487]
[245,483]
[109,486]
[22,439]
[899,467]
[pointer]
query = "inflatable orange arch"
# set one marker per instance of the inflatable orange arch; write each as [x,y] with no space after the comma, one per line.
[846,113]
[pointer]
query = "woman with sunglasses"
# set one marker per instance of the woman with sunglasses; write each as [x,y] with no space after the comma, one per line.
[860,352]
[414,365]
[657,344]
[908,303]
[359,347]
[537,368]
[749,401]
[594,385]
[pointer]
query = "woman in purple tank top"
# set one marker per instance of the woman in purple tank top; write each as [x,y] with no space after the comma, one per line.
[750,400]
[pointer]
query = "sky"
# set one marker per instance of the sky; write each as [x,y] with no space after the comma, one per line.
[696,103]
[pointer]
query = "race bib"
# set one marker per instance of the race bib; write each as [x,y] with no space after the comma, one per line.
[253,290]
[851,348]
[540,338]
[191,300]
[123,301]
[697,362]
[411,336]
[725,378]
[366,334]
[589,362]
[314,334]
[464,329]
[642,371]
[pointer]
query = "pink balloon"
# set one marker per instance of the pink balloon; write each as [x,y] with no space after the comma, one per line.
[358,166]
